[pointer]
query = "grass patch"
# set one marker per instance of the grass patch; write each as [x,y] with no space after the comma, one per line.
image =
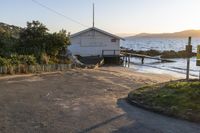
[180,99]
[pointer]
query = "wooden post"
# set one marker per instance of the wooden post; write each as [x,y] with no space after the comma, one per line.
[199,75]
[129,61]
[123,60]
[188,50]
[126,60]
[102,52]
[142,60]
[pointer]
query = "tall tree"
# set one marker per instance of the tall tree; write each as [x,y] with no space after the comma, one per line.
[7,43]
[32,38]
[57,42]
[36,40]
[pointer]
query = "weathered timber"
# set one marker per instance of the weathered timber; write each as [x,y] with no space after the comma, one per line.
[126,54]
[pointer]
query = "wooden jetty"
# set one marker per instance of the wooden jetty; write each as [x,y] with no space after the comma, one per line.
[127,56]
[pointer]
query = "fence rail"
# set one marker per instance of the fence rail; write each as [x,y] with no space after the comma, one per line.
[34,68]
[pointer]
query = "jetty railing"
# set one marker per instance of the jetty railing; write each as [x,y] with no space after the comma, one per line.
[126,57]
[24,69]
[146,56]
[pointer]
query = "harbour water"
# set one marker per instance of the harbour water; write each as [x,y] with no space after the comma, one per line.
[177,68]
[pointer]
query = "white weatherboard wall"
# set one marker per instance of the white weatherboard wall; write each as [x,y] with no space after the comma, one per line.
[92,43]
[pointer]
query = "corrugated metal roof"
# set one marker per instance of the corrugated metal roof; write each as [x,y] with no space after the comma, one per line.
[96,29]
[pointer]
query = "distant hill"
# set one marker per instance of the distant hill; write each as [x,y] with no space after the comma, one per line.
[10,29]
[125,34]
[182,34]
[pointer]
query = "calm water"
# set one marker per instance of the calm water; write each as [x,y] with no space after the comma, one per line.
[177,68]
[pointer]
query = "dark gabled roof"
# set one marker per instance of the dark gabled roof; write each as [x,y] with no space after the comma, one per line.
[99,30]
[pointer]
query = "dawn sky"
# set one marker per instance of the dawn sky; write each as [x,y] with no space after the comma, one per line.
[117,16]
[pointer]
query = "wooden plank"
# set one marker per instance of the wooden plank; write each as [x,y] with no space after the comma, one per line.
[145,56]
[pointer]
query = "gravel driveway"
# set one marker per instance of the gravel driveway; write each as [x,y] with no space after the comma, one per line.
[80,101]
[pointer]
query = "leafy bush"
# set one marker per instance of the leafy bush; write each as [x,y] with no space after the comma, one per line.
[32,40]
[36,40]
[4,61]
[16,60]
[27,59]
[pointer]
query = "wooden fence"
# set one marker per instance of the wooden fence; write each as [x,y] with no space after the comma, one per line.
[23,69]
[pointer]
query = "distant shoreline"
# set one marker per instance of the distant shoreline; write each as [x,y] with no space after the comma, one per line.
[181,34]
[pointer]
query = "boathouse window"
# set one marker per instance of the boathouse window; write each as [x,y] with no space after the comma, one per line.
[113,40]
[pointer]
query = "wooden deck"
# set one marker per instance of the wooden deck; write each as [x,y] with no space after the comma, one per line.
[128,55]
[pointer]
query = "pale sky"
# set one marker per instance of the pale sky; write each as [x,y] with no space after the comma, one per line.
[116,16]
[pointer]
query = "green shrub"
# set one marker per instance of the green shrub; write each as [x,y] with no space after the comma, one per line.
[4,61]
[27,59]
[181,99]
[15,60]
[53,60]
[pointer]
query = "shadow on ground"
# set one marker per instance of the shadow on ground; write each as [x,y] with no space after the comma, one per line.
[143,121]
[101,124]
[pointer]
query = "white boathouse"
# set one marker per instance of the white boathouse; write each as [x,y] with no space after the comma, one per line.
[95,42]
